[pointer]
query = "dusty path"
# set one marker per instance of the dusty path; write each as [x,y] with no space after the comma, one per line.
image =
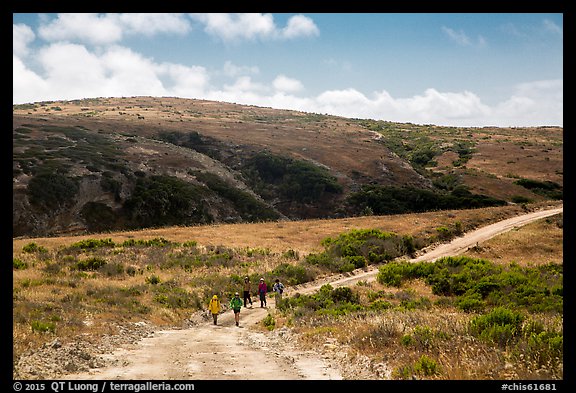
[208,352]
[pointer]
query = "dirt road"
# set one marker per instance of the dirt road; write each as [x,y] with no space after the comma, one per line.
[208,352]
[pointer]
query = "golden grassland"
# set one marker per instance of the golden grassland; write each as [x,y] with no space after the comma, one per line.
[304,236]
[52,298]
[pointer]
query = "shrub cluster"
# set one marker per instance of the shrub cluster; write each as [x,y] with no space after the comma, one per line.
[547,189]
[478,283]
[359,248]
[275,176]
[327,301]
[383,200]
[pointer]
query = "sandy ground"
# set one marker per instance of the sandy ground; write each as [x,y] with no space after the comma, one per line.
[215,352]
[247,352]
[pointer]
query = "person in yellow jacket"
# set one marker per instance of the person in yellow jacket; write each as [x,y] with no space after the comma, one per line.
[214,308]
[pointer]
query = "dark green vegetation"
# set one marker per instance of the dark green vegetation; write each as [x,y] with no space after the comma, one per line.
[274,177]
[383,200]
[548,189]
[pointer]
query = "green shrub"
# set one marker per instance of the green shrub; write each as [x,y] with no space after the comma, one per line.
[426,366]
[393,274]
[292,274]
[98,216]
[500,326]
[359,248]
[545,188]
[90,264]
[32,247]
[380,305]
[18,264]
[43,327]
[153,279]
[471,303]
[91,244]
[166,200]
[175,297]
[269,322]
[344,294]
[542,349]
[52,191]
[275,176]
[384,200]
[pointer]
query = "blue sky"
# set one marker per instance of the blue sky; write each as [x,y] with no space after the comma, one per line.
[455,69]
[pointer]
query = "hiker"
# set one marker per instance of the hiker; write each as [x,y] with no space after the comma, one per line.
[214,308]
[236,305]
[262,289]
[247,286]
[279,289]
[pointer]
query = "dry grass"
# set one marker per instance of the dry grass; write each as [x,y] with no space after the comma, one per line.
[534,244]
[302,236]
[93,303]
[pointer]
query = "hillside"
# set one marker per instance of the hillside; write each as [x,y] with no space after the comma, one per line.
[125,163]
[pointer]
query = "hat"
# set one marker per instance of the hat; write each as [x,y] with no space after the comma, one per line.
[246,278]
[236,294]
[215,297]
[262,279]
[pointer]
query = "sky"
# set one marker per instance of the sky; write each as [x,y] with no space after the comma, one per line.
[451,69]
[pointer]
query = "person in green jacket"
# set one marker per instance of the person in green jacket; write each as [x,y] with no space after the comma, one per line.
[236,306]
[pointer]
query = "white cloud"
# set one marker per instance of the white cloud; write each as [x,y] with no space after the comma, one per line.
[233,70]
[244,84]
[26,85]
[184,81]
[462,38]
[129,71]
[22,35]
[552,27]
[106,29]
[90,28]
[71,71]
[150,24]
[288,85]
[431,107]
[234,27]
[230,27]
[300,25]
[539,102]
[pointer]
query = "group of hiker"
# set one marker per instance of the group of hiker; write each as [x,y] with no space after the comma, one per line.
[214,307]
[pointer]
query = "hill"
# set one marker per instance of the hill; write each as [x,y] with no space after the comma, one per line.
[107,164]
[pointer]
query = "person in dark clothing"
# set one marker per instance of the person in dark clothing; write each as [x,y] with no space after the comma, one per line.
[278,288]
[262,289]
